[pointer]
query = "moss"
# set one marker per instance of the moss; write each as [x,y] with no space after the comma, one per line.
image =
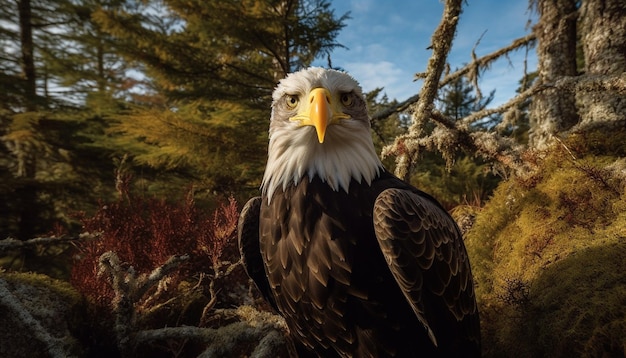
[54,304]
[581,300]
[549,255]
[61,288]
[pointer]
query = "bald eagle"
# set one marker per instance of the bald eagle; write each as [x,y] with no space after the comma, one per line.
[358,262]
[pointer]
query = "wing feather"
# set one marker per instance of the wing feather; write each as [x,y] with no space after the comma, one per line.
[249,247]
[424,251]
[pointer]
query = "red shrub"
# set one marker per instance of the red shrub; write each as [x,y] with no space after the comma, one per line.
[144,233]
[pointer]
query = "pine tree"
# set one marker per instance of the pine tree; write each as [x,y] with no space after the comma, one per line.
[49,75]
[214,64]
[457,100]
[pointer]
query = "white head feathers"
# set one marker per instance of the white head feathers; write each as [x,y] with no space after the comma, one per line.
[294,152]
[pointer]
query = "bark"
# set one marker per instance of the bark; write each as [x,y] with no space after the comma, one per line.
[407,147]
[28,53]
[28,192]
[552,110]
[603,29]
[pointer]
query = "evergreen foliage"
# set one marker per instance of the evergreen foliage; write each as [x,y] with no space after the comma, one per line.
[51,169]
[180,88]
[215,64]
[457,100]
[384,130]
[178,92]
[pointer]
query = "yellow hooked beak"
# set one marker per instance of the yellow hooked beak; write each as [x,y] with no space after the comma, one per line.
[319,110]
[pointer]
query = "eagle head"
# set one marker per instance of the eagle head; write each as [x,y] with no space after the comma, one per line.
[319,127]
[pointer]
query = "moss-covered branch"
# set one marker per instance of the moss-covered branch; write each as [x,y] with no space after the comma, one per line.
[441,43]
[128,291]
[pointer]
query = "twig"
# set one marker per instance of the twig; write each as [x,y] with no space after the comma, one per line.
[384,113]
[486,60]
[128,291]
[146,282]
[565,147]
[217,268]
[467,121]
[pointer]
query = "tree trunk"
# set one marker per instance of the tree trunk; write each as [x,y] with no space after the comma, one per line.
[27,191]
[604,44]
[28,53]
[552,110]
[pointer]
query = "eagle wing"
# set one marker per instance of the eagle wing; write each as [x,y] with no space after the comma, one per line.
[249,248]
[425,253]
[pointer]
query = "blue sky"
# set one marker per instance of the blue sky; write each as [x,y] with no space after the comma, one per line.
[387,42]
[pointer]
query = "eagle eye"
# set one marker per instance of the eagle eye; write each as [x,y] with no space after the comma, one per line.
[291,101]
[347,99]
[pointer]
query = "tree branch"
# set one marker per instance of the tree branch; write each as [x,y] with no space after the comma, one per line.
[486,60]
[128,291]
[481,62]
[441,44]
[14,244]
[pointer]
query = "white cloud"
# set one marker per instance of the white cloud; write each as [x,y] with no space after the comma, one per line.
[387,43]
[371,75]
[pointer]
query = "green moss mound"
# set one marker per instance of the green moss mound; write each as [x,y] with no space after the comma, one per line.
[549,255]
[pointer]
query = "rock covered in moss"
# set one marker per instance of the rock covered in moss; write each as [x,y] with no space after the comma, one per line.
[38,314]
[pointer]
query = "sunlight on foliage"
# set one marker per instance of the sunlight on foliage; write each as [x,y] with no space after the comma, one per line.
[548,254]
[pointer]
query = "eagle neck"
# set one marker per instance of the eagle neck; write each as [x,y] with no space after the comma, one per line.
[345,155]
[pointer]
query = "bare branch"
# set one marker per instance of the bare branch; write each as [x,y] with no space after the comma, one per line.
[400,107]
[485,61]
[128,291]
[121,280]
[481,62]
[467,121]
[13,244]
[147,282]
